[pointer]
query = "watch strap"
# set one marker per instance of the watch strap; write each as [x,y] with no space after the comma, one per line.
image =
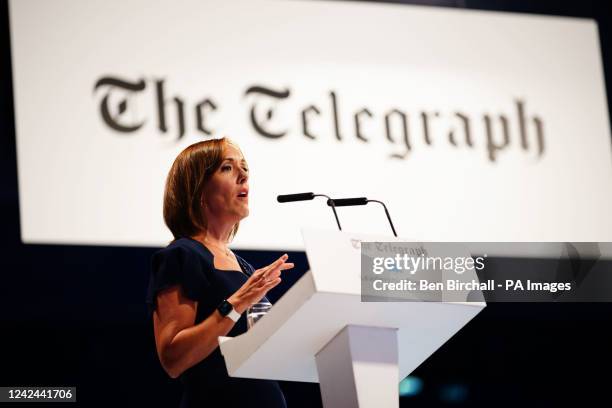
[234,315]
[227,309]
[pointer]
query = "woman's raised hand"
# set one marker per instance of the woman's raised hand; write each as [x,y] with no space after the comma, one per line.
[259,283]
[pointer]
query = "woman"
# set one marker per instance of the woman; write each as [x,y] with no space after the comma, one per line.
[199,289]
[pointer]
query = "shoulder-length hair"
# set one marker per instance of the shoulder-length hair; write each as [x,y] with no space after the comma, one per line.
[185,183]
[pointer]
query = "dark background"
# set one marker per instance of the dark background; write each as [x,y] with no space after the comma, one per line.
[75,315]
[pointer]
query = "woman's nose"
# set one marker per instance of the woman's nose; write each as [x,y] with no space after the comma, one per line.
[243,177]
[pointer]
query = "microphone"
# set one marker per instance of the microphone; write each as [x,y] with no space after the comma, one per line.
[345,202]
[288,198]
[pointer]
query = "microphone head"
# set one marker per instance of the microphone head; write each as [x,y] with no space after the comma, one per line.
[343,202]
[287,198]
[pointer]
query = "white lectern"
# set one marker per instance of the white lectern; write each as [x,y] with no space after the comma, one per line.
[321,331]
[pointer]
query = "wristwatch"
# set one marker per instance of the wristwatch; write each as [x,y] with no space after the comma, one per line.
[227,309]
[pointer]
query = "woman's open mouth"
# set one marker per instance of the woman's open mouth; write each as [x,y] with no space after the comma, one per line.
[243,194]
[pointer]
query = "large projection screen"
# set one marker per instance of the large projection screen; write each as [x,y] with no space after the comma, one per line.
[470,126]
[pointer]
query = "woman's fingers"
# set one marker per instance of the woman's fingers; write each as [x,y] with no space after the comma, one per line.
[264,279]
[275,273]
[268,277]
[270,280]
[270,284]
[279,261]
[281,267]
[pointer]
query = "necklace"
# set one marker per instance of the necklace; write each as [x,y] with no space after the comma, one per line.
[226,250]
[227,253]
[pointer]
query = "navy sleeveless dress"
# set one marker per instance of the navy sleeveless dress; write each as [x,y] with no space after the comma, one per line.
[188,263]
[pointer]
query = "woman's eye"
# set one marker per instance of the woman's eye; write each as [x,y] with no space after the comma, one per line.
[226,167]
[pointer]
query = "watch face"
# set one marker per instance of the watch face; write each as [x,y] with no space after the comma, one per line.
[225,307]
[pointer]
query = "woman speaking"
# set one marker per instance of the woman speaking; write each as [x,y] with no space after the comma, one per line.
[199,289]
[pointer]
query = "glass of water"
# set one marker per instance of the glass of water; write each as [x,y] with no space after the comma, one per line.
[255,312]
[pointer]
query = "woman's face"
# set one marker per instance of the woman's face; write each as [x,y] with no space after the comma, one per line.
[226,195]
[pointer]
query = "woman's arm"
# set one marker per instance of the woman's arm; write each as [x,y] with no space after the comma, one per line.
[181,344]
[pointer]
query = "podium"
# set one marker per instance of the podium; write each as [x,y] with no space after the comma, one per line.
[321,331]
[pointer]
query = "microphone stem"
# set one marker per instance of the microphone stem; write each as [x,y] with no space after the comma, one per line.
[336,215]
[333,206]
[388,216]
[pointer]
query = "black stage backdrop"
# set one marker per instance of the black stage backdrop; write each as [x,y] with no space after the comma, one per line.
[75,315]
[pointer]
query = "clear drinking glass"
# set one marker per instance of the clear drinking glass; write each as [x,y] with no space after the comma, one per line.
[255,312]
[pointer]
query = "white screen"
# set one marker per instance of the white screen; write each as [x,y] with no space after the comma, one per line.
[537,80]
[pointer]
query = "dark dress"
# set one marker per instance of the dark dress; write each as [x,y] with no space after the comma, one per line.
[188,263]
